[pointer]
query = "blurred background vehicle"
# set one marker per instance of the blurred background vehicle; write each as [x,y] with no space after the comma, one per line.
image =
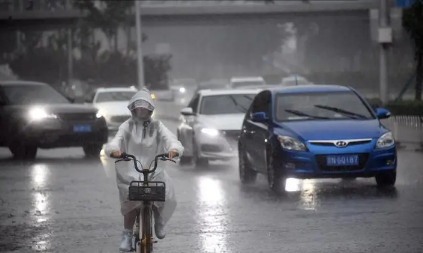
[33,115]
[112,104]
[212,123]
[183,89]
[214,84]
[293,80]
[246,81]
[259,87]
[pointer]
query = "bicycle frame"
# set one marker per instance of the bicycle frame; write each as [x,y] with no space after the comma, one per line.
[144,240]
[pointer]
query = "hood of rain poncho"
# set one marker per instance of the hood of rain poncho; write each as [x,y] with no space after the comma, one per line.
[141,99]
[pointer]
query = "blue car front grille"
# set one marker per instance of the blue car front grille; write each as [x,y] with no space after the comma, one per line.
[321,161]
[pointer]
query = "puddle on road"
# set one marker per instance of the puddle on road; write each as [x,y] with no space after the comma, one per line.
[212,214]
[306,189]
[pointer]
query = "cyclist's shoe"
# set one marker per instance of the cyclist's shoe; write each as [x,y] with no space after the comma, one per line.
[159,226]
[126,244]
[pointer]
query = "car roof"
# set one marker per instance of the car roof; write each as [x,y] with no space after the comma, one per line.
[309,88]
[247,78]
[209,92]
[112,89]
[20,82]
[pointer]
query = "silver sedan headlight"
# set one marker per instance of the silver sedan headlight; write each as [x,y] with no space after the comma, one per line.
[210,132]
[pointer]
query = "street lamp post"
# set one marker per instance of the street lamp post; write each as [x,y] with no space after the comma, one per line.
[139,44]
[385,38]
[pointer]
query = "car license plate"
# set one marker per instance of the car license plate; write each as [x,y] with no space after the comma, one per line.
[81,128]
[342,160]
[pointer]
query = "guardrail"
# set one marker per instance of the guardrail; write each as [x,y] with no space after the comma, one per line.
[407,131]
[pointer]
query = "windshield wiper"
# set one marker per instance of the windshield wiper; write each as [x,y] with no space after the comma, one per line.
[299,113]
[236,104]
[335,109]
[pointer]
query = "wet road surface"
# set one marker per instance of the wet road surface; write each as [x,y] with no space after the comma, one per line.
[63,202]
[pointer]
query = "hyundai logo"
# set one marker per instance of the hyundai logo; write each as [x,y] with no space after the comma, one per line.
[341,144]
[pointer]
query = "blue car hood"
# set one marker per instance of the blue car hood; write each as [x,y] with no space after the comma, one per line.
[333,129]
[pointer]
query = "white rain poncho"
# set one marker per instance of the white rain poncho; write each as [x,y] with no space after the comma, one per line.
[145,140]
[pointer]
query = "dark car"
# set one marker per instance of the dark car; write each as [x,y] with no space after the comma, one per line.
[33,115]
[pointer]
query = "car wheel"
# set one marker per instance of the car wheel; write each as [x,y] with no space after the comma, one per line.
[275,177]
[92,150]
[198,161]
[23,151]
[247,174]
[386,179]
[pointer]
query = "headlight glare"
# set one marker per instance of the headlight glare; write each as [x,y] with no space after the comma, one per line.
[290,143]
[385,141]
[210,131]
[38,113]
[99,114]
[182,90]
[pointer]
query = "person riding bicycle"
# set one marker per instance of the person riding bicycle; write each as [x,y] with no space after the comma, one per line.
[144,137]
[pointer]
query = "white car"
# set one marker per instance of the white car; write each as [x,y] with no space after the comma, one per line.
[295,80]
[212,123]
[247,81]
[112,104]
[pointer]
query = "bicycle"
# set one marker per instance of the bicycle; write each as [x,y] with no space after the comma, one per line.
[147,192]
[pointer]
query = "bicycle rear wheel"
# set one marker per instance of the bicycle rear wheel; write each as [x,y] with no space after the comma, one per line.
[147,231]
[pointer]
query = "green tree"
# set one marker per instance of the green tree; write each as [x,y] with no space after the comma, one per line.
[412,20]
[109,18]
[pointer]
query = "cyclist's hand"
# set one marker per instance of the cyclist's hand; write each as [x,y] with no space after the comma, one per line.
[172,154]
[116,154]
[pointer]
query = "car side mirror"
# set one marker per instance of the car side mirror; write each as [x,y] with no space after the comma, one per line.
[187,111]
[382,113]
[259,117]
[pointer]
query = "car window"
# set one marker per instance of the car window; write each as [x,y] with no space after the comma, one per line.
[114,96]
[194,103]
[328,105]
[226,104]
[23,94]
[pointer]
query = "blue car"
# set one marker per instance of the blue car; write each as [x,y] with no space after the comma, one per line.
[315,131]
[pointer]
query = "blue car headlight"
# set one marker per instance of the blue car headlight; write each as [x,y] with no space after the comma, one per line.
[385,141]
[290,143]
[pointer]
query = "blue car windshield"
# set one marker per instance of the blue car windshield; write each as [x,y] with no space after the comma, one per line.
[320,106]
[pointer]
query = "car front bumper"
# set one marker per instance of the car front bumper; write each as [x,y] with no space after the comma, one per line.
[313,164]
[53,133]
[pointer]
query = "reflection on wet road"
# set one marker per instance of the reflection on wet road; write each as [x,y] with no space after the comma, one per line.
[63,202]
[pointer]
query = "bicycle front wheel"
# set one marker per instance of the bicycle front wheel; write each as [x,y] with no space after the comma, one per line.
[147,231]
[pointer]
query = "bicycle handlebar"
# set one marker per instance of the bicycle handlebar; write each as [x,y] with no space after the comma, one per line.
[163,157]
